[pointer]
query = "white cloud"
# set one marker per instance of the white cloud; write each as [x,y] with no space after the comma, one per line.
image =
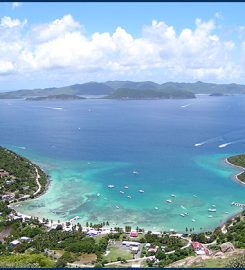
[7,22]
[218,15]
[16,4]
[198,53]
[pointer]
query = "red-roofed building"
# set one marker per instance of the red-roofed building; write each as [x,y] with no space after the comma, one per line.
[196,245]
[206,251]
[133,234]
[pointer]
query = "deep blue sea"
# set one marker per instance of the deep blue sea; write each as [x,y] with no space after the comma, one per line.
[87,145]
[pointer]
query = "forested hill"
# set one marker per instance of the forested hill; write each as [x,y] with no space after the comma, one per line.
[18,176]
[125,93]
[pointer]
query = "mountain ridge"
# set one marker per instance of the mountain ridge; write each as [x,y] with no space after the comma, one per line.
[109,87]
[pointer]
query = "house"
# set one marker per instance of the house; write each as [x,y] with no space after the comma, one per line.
[135,250]
[9,182]
[3,173]
[152,250]
[25,239]
[92,232]
[14,243]
[199,248]
[130,244]
[133,234]
[7,197]
[196,245]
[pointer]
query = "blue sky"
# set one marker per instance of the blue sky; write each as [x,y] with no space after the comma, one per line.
[109,41]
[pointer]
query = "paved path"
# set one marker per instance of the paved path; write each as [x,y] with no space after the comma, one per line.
[37,181]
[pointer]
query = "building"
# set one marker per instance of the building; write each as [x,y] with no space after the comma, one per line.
[135,250]
[3,173]
[133,234]
[130,244]
[92,232]
[14,243]
[200,249]
[152,250]
[25,239]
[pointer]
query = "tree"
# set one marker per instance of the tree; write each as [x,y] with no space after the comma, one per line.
[61,263]
[238,262]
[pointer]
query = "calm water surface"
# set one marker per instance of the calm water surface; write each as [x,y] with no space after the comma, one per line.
[87,145]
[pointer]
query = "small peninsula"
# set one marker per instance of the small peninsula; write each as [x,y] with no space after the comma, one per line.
[239,161]
[55,97]
[20,179]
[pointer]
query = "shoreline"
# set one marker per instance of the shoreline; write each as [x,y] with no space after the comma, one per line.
[236,175]
[12,205]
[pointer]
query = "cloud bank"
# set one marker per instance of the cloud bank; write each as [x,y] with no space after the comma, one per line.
[61,49]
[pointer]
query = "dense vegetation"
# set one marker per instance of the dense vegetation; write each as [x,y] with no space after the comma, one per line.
[239,160]
[18,175]
[26,260]
[56,97]
[126,93]
[107,88]
[235,233]
[170,243]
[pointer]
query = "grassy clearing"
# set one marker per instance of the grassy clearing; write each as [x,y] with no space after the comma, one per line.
[116,252]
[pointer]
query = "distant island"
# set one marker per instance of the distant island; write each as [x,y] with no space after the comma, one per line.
[126,94]
[56,97]
[217,95]
[238,161]
[129,90]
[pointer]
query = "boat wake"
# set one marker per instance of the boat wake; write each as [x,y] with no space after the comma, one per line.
[187,105]
[53,108]
[21,147]
[212,140]
[229,143]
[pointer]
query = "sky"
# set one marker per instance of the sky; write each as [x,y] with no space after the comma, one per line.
[58,44]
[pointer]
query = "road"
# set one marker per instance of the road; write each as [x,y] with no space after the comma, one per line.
[37,181]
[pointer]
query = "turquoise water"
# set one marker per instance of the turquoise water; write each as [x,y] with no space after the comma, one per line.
[87,145]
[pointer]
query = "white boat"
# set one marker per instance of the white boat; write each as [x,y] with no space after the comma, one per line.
[168,201]
[183,215]
[211,209]
[193,220]
[226,212]
[111,186]
[210,216]
[213,205]
[122,192]
[183,207]
[173,195]
[98,194]
[135,172]
[129,197]
[156,208]
[195,196]
[187,214]
[117,207]
[126,187]
[141,191]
